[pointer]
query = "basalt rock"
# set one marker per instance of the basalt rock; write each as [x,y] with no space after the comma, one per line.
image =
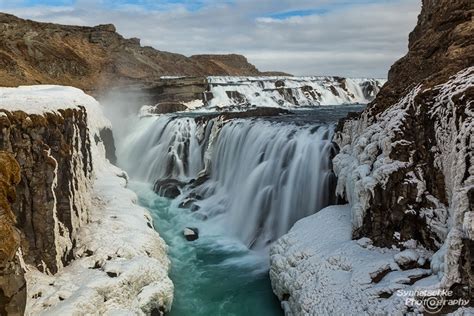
[191,233]
[107,137]
[53,151]
[169,188]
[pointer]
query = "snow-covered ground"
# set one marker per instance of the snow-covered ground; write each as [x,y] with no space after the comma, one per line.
[316,269]
[121,265]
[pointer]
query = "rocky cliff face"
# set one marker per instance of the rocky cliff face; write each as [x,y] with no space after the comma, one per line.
[12,281]
[53,152]
[439,47]
[222,65]
[95,58]
[406,164]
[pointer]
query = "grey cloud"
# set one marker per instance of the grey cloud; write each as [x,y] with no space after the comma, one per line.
[352,40]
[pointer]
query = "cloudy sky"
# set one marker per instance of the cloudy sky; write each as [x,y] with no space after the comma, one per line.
[303,37]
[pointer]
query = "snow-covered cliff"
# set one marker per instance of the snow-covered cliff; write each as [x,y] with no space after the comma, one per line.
[86,246]
[408,238]
[406,168]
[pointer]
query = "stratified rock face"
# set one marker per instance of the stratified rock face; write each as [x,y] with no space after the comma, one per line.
[12,281]
[95,58]
[406,164]
[53,151]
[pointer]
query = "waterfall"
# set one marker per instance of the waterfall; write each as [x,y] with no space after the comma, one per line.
[162,147]
[259,176]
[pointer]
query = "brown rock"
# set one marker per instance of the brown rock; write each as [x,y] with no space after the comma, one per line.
[95,58]
[12,281]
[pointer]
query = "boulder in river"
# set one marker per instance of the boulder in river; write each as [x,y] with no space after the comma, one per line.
[191,233]
[169,188]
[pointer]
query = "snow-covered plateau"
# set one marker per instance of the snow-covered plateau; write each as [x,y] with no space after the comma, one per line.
[117,263]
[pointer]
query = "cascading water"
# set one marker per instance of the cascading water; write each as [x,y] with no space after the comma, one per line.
[263,175]
[243,183]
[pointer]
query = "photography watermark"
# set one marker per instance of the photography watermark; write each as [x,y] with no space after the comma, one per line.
[432,301]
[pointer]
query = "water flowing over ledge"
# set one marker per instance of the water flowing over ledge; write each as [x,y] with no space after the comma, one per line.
[256,177]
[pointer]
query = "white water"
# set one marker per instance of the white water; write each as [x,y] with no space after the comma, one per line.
[264,175]
[290,92]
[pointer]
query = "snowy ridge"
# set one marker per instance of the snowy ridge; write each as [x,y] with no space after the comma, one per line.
[120,262]
[290,92]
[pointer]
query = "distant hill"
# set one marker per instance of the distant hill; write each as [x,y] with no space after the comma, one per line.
[96,58]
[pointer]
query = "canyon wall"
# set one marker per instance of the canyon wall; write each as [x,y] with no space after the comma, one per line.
[53,151]
[406,167]
[416,137]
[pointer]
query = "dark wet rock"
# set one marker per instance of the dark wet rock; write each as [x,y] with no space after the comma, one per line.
[191,233]
[279,84]
[189,201]
[195,208]
[255,112]
[199,180]
[167,107]
[169,188]
[109,143]
[238,97]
